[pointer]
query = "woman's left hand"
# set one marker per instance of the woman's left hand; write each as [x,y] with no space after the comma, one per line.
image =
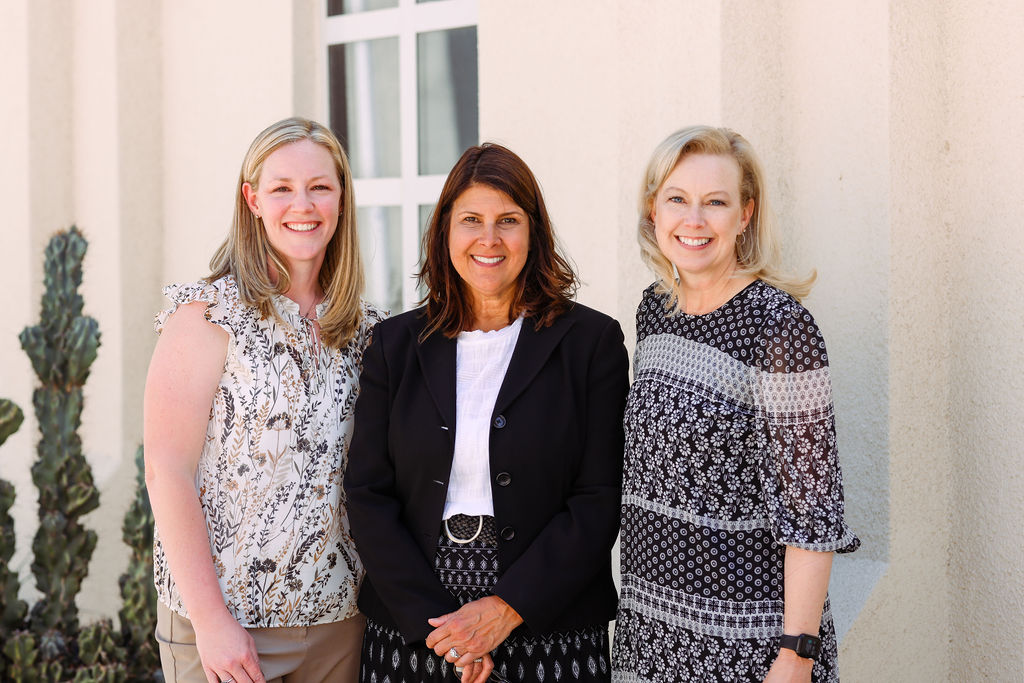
[477,671]
[474,630]
[789,667]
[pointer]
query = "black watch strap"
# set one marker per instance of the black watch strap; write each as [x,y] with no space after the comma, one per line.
[804,645]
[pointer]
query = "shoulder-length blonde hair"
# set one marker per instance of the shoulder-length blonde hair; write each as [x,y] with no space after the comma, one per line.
[247,253]
[757,247]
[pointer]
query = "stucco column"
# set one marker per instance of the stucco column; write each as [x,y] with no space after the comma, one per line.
[35,42]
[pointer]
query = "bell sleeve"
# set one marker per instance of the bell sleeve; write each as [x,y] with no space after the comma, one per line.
[799,468]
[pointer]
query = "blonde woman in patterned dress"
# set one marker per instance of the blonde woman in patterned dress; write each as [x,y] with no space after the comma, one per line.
[732,495]
[248,413]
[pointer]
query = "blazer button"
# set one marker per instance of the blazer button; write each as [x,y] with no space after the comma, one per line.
[499,422]
[508,533]
[503,479]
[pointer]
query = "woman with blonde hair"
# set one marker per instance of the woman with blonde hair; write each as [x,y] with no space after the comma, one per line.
[732,493]
[247,419]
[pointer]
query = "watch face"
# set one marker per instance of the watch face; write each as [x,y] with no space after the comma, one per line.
[808,647]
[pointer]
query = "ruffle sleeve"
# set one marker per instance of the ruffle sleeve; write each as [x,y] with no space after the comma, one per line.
[799,469]
[218,298]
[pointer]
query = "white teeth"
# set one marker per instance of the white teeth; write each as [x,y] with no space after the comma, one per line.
[488,259]
[301,227]
[694,242]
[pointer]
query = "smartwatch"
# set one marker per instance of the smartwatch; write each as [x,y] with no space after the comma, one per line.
[805,645]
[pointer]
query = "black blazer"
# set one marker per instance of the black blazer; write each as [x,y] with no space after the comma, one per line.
[556,465]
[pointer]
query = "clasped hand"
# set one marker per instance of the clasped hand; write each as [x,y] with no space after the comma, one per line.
[473,631]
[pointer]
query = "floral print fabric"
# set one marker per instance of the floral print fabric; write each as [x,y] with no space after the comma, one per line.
[270,474]
[730,457]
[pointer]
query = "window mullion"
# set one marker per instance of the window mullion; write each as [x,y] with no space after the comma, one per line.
[408,125]
[409,190]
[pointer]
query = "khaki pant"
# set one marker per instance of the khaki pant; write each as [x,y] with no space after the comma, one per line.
[294,654]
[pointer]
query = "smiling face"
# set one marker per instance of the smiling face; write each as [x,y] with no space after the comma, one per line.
[488,242]
[298,198]
[698,215]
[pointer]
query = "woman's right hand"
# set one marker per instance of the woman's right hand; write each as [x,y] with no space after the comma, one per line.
[228,652]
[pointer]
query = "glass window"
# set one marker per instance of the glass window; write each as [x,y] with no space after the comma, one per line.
[447,88]
[425,211]
[335,7]
[403,100]
[364,104]
[380,243]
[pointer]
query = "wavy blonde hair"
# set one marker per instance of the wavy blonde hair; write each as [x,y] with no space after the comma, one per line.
[247,253]
[757,247]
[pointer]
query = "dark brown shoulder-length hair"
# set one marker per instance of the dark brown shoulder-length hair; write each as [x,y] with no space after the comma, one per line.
[547,283]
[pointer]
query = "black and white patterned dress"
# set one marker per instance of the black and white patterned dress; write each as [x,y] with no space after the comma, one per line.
[730,456]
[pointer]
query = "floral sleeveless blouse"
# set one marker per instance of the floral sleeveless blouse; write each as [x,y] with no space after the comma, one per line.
[270,474]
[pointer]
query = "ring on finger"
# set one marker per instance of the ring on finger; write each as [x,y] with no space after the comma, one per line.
[475,661]
[454,653]
[229,679]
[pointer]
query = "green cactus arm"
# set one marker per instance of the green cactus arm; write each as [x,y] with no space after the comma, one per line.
[11,418]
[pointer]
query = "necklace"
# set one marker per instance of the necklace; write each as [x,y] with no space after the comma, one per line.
[312,308]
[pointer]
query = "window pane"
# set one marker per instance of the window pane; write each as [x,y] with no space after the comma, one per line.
[352,6]
[364,104]
[425,211]
[447,85]
[380,242]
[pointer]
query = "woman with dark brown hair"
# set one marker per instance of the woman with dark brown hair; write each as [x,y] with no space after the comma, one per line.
[485,466]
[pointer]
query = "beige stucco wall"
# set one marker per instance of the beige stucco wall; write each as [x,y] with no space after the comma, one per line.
[891,135]
[16,277]
[985,70]
[129,119]
[882,126]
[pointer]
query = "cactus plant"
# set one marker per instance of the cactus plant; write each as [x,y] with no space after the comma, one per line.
[47,644]
[12,610]
[61,347]
[11,418]
[21,654]
[138,610]
[100,653]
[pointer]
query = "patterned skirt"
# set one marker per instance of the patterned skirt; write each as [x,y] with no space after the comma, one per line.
[469,571]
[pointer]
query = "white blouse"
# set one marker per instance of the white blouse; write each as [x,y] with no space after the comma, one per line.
[481,361]
[269,475]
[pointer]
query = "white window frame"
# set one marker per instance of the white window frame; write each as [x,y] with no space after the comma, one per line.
[410,190]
